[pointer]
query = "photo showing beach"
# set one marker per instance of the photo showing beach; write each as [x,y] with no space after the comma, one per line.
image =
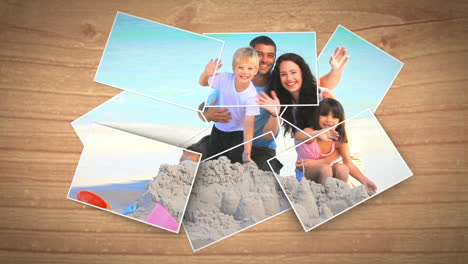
[371,151]
[133,176]
[157,60]
[147,117]
[303,43]
[228,198]
[368,75]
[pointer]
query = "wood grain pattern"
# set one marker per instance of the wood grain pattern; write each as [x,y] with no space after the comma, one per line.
[50,50]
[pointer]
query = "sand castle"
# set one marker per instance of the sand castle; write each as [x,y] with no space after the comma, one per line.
[315,203]
[227,198]
[170,188]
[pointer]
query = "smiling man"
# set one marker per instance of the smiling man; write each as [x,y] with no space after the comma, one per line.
[263,148]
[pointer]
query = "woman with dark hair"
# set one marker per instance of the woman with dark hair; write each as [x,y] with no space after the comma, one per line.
[293,83]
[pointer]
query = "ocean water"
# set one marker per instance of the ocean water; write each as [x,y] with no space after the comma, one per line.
[118,195]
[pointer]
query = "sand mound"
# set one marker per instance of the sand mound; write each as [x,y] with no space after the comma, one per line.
[169,188]
[315,203]
[229,197]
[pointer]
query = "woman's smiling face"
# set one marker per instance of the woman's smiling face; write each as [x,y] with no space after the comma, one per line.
[291,77]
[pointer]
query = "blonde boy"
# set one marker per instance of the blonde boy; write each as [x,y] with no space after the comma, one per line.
[236,89]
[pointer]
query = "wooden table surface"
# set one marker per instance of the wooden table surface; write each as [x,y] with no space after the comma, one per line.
[49,53]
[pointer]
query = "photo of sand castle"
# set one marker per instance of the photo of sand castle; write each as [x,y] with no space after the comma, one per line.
[317,199]
[133,176]
[316,203]
[228,198]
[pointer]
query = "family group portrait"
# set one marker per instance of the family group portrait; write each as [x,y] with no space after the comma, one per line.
[264,123]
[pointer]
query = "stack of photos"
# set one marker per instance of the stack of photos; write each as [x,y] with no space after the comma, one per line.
[218,132]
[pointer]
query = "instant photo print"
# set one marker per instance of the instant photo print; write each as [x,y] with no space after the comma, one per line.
[367,75]
[156,60]
[316,200]
[228,198]
[145,117]
[134,177]
[300,43]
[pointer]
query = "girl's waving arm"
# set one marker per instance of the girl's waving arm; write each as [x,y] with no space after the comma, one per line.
[309,132]
[354,171]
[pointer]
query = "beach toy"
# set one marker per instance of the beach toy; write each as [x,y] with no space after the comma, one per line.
[130,209]
[161,217]
[94,199]
[299,175]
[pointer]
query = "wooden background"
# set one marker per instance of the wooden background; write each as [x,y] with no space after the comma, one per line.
[49,52]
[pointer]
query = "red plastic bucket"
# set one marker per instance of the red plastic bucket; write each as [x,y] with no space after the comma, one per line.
[94,199]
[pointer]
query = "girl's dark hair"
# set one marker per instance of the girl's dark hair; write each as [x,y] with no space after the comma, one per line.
[325,107]
[307,94]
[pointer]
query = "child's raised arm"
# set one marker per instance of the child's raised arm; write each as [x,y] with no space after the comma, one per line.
[354,171]
[249,123]
[210,69]
[330,135]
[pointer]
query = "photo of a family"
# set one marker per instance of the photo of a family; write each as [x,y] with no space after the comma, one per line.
[268,87]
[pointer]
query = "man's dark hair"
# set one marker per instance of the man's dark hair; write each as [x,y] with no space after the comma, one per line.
[262,40]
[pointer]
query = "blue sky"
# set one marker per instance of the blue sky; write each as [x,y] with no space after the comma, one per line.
[367,76]
[156,60]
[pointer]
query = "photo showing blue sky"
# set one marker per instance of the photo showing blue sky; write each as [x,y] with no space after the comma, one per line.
[157,60]
[368,75]
[144,116]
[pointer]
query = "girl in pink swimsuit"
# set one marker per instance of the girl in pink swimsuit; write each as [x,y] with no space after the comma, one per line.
[329,113]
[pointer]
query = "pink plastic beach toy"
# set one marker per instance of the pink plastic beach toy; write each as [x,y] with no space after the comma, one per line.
[161,217]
